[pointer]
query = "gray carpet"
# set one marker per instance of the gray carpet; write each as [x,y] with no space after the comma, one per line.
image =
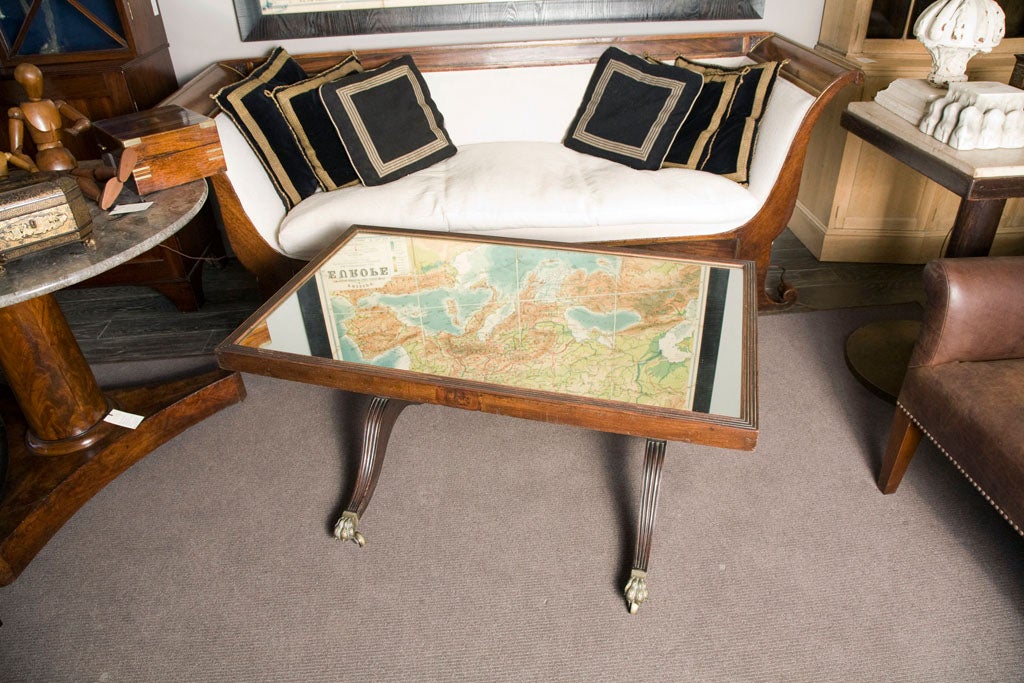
[497,549]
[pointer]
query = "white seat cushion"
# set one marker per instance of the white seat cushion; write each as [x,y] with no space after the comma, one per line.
[534,190]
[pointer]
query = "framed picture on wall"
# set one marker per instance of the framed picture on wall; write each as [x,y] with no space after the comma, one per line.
[281,19]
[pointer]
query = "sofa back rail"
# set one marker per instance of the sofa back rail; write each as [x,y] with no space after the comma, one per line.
[820,76]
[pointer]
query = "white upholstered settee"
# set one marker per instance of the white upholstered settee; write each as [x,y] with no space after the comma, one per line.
[506,107]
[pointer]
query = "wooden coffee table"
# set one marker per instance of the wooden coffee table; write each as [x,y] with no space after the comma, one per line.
[612,340]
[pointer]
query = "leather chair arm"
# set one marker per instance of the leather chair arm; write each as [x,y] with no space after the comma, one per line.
[975,310]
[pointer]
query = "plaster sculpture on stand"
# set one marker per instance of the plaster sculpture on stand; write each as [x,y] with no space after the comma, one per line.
[953,31]
[947,121]
[1013,129]
[991,136]
[984,115]
[43,120]
[945,105]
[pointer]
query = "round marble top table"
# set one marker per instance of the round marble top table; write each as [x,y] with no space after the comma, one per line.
[62,445]
[118,239]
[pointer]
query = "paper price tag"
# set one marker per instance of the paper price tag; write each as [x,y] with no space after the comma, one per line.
[130,208]
[123,419]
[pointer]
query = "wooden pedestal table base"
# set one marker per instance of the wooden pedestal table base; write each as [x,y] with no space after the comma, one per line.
[380,419]
[61,451]
[878,353]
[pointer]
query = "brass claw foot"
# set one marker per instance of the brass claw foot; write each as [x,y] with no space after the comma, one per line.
[345,529]
[636,590]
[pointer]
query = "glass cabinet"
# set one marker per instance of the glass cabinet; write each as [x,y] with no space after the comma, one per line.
[871,29]
[895,19]
[62,31]
[52,29]
[104,57]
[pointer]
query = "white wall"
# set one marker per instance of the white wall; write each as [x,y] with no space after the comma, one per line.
[204,31]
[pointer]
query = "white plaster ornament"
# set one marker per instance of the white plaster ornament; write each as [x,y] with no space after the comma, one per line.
[965,115]
[953,31]
[977,115]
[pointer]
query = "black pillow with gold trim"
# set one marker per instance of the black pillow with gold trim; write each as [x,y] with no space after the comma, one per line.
[311,125]
[632,109]
[249,105]
[719,134]
[387,121]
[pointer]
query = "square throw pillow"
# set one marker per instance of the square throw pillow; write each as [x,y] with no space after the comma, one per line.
[632,109]
[387,121]
[719,134]
[255,113]
[311,125]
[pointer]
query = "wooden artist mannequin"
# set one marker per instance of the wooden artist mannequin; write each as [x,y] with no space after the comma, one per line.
[19,161]
[43,121]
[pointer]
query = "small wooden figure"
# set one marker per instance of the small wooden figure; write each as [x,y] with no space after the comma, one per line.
[19,161]
[43,120]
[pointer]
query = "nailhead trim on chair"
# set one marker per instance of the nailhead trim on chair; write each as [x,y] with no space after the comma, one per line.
[962,471]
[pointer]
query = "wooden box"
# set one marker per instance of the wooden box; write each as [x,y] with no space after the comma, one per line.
[175,145]
[41,211]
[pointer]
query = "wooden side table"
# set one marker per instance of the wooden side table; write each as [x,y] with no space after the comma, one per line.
[62,450]
[878,353]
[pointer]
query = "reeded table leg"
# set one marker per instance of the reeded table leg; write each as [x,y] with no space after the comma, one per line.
[380,418]
[636,589]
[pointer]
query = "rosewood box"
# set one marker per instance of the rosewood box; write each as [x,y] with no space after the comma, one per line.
[175,145]
[41,211]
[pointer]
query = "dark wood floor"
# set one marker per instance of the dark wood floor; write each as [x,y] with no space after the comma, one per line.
[824,285]
[133,323]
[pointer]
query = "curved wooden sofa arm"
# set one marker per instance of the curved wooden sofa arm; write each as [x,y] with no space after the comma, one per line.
[271,268]
[821,76]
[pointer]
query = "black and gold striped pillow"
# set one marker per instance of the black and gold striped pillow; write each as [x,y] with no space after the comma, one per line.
[718,136]
[387,121]
[632,109]
[311,125]
[249,105]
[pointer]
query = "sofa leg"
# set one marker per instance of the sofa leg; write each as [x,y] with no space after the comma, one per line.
[786,297]
[785,294]
[904,436]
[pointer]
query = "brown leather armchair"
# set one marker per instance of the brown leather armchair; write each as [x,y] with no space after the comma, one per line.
[964,387]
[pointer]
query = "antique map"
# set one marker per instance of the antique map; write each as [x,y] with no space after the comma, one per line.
[612,327]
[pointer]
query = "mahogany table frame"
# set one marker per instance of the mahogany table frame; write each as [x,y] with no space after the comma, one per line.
[393,390]
[61,450]
[878,353]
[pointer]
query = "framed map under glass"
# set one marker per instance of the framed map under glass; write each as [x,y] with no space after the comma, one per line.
[634,329]
[283,19]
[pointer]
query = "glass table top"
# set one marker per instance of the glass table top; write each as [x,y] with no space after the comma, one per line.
[596,324]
